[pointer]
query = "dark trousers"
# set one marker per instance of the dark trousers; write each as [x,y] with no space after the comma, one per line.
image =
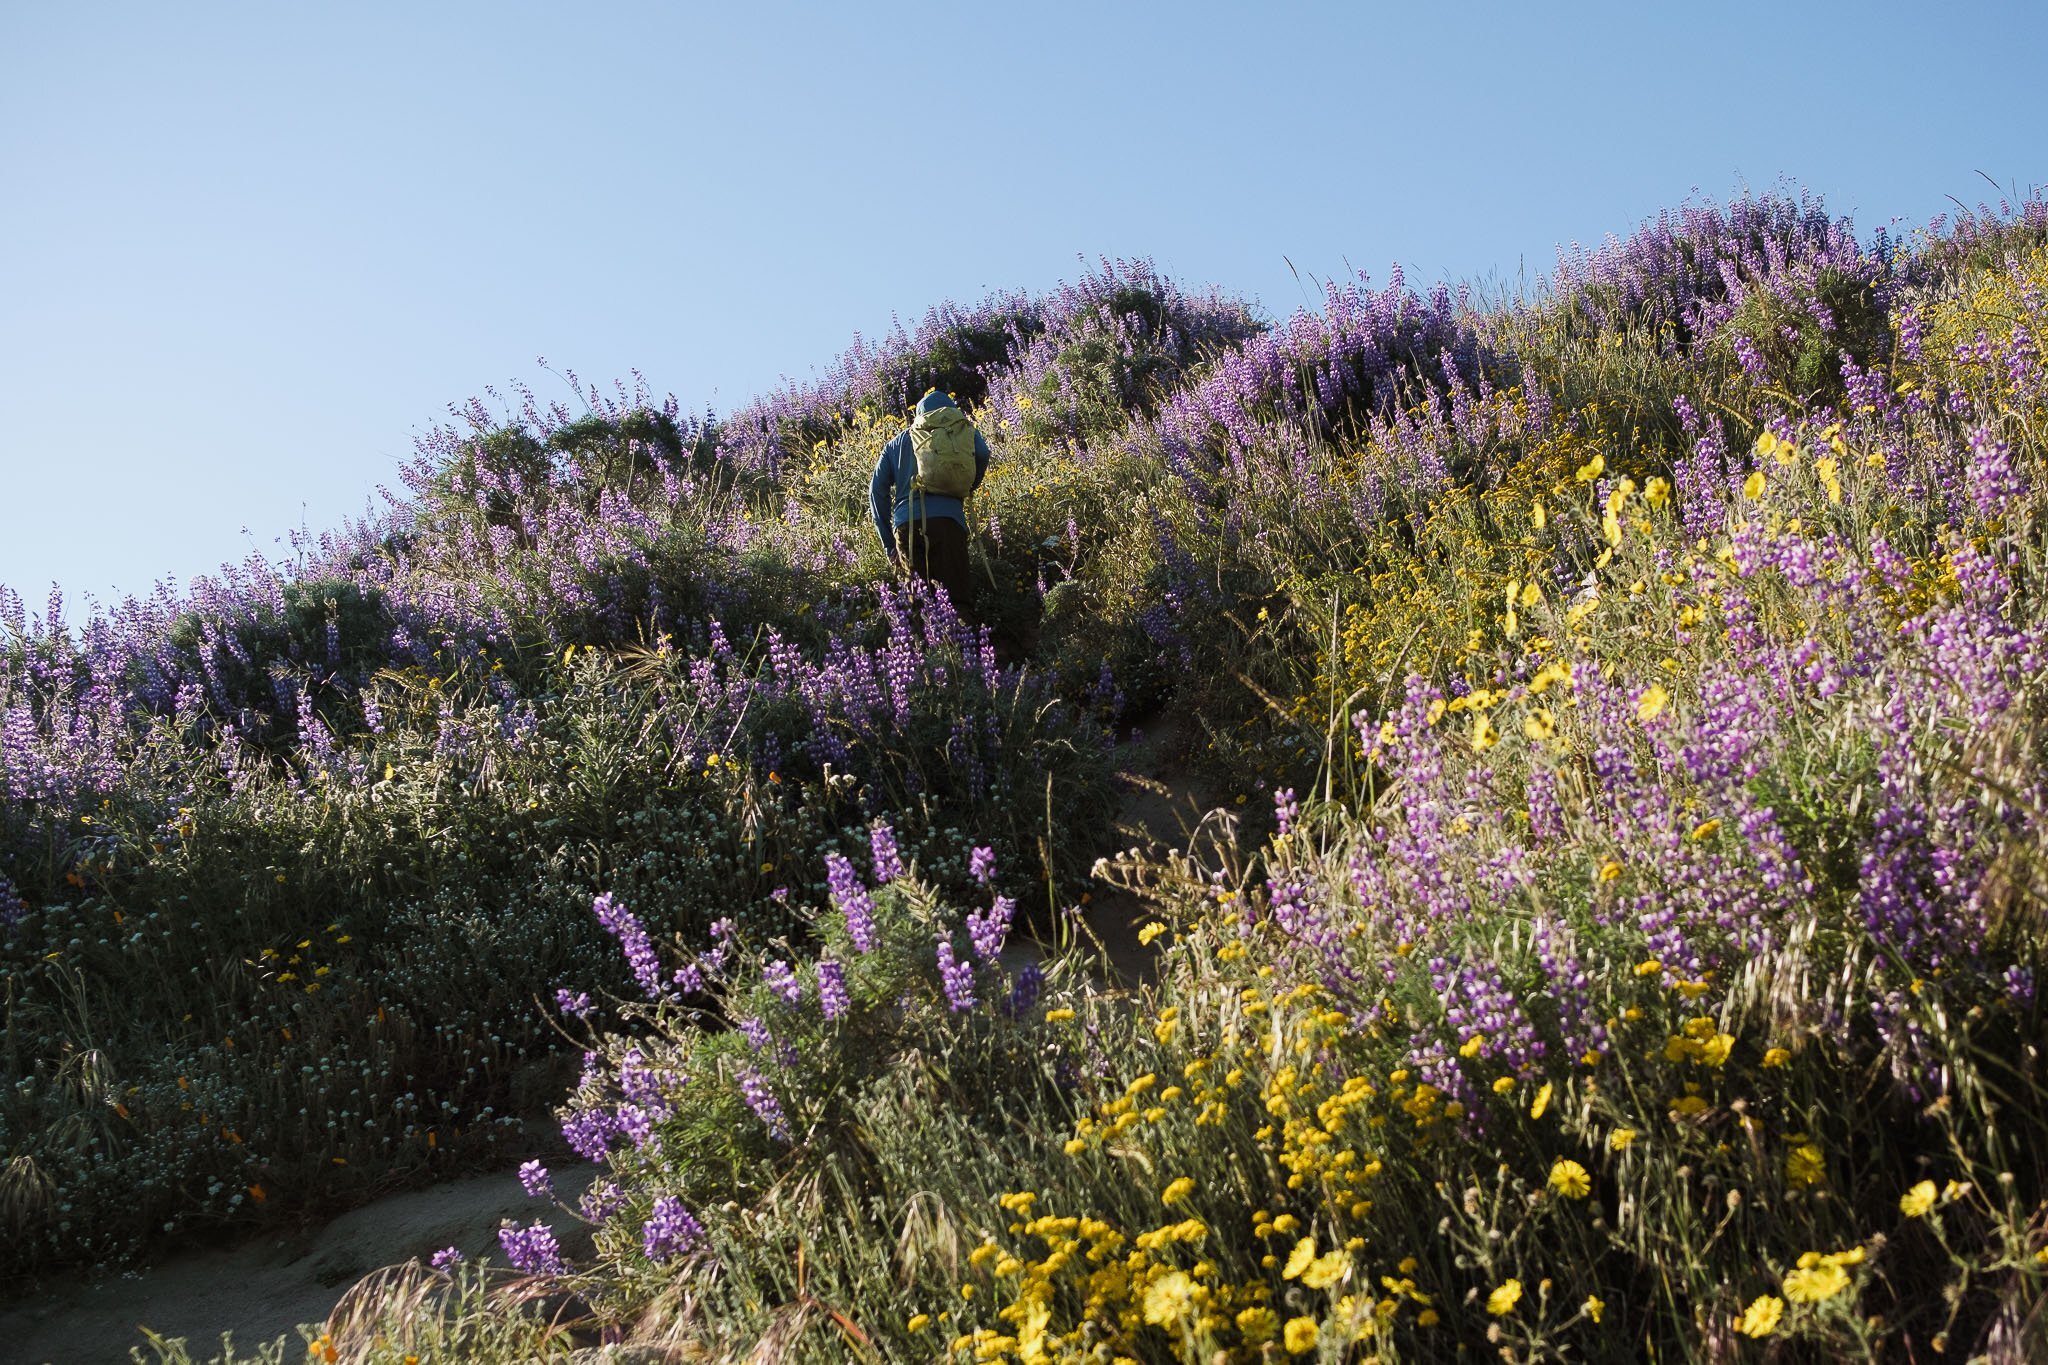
[935,548]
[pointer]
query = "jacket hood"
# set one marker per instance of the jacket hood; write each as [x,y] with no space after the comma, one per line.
[933,401]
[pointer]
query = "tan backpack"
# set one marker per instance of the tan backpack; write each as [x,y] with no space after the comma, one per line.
[943,441]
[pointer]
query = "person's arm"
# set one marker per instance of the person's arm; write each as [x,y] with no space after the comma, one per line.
[882,499]
[981,457]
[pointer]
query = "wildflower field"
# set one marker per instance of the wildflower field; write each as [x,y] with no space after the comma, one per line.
[1620,940]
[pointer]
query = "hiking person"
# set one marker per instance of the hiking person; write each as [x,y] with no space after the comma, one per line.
[918,493]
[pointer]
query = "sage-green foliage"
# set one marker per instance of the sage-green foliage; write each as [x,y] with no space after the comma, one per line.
[1285,1143]
[312,986]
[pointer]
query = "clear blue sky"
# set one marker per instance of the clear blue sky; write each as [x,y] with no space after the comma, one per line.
[246,251]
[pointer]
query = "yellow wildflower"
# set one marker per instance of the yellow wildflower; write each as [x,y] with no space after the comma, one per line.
[1753,486]
[1150,932]
[1570,1179]
[1298,1259]
[1830,477]
[1326,1270]
[1620,1138]
[1300,1337]
[1760,1319]
[1657,492]
[1652,702]
[1058,1016]
[1812,1284]
[1806,1164]
[1168,1298]
[1502,1301]
[1177,1191]
[1541,1102]
[1706,829]
[1592,469]
[1257,1325]
[1777,1056]
[1915,1202]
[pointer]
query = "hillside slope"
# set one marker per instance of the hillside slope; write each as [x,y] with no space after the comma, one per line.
[1617,936]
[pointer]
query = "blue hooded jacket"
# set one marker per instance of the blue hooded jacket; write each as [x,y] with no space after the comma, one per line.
[890,498]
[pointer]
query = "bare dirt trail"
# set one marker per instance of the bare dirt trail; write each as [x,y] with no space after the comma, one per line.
[1162,807]
[264,1288]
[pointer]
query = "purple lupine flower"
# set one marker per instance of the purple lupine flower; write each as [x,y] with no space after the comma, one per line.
[832,1000]
[1484,1014]
[957,977]
[1910,334]
[1995,482]
[852,900]
[1285,809]
[534,1178]
[783,981]
[761,1099]
[756,1033]
[588,1133]
[446,1259]
[1025,990]
[688,978]
[646,1085]
[670,1230]
[2019,985]
[620,923]
[888,862]
[988,931]
[1747,356]
[533,1249]
[577,1005]
[636,1122]
[601,1200]
[981,864]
